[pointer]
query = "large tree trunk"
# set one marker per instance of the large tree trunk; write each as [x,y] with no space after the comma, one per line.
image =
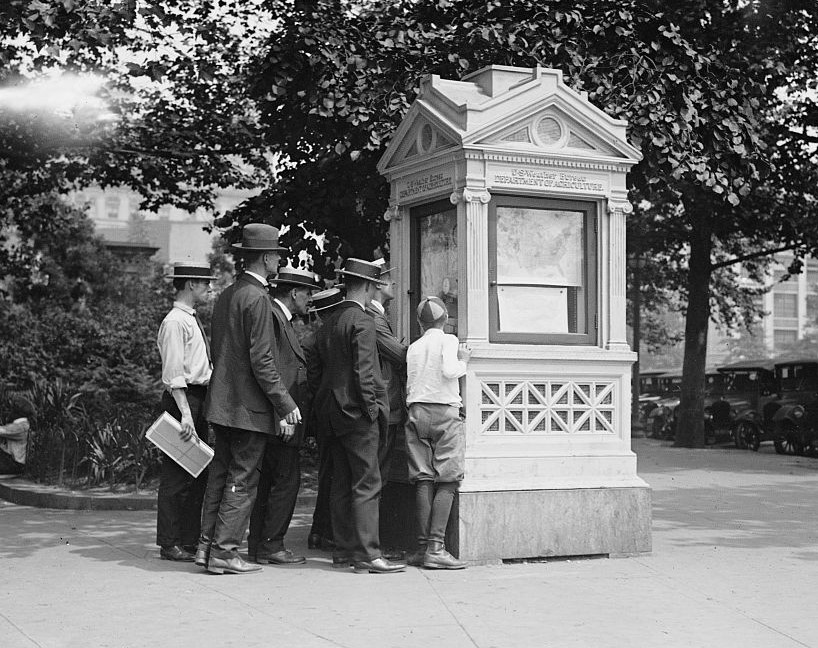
[690,419]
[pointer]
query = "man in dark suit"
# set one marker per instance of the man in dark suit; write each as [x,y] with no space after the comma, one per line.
[321,535]
[392,354]
[344,374]
[281,470]
[246,401]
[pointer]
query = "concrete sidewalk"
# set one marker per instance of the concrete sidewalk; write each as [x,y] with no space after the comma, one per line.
[734,563]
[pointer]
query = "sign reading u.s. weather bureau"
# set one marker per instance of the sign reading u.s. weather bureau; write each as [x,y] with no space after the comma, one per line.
[544,178]
[427,183]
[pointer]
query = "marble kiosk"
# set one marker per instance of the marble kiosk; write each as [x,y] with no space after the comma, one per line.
[508,201]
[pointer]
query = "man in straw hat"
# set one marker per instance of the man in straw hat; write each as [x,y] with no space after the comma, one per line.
[321,536]
[186,369]
[345,376]
[281,469]
[246,402]
[392,354]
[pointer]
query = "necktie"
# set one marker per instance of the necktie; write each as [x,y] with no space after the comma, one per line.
[204,336]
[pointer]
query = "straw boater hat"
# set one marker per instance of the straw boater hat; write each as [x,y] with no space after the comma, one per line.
[381,263]
[362,269]
[296,277]
[258,237]
[186,270]
[326,299]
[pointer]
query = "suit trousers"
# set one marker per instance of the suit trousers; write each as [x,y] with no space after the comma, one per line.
[179,501]
[386,448]
[321,517]
[278,487]
[231,488]
[356,487]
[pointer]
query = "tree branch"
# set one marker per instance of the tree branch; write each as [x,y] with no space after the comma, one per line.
[752,255]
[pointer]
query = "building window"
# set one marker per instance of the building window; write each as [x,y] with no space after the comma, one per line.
[542,271]
[112,206]
[783,337]
[785,305]
[434,250]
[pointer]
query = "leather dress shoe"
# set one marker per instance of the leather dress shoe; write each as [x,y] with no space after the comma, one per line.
[283,557]
[175,553]
[232,565]
[202,554]
[378,566]
[437,557]
[339,562]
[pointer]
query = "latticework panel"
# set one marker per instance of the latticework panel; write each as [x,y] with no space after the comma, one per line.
[547,407]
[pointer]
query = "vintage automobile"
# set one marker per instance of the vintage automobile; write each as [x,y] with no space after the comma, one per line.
[649,392]
[792,417]
[662,420]
[737,411]
[658,418]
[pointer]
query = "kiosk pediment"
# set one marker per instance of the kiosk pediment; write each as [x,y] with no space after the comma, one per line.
[551,130]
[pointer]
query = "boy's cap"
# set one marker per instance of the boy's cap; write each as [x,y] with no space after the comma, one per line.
[431,309]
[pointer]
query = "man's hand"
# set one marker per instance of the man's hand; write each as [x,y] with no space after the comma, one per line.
[286,431]
[293,417]
[463,352]
[188,430]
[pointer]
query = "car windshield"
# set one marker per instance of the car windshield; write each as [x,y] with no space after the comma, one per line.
[798,377]
[744,381]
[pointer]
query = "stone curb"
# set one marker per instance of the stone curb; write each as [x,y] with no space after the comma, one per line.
[26,493]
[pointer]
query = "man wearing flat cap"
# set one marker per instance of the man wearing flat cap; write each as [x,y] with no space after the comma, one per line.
[246,402]
[281,471]
[345,376]
[186,369]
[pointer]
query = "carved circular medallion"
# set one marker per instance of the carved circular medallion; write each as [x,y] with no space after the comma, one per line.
[549,131]
[426,138]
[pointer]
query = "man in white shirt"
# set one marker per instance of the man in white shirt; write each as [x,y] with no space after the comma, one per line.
[186,370]
[435,434]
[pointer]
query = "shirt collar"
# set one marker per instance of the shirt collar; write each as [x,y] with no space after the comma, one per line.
[433,331]
[184,307]
[355,301]
[378,306]
[286,310]
[263,280]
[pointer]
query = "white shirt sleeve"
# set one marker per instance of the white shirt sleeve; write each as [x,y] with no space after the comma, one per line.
[171,342]
[452,367]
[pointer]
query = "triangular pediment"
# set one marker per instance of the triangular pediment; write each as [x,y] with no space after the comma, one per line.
[421,134]
[551,128]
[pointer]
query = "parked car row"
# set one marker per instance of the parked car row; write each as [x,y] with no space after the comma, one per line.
[749,402]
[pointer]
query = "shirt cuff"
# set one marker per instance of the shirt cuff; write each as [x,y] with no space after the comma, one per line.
[176,383]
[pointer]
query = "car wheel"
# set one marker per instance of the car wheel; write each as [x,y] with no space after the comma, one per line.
[747,436]
[788,445]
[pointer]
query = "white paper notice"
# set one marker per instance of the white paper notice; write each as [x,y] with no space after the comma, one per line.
[193,455]
[533,309]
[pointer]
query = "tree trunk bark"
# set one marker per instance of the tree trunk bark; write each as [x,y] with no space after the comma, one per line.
[690,417]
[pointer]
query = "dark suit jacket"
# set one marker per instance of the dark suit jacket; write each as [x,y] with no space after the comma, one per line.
[344,372]
[291,365]
[392,355]
[246,390]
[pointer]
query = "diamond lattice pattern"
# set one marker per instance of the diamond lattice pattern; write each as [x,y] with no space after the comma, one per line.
[547,407]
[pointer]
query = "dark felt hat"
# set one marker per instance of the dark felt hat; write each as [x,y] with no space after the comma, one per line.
[362,269]
[258,237]
[190,271]
[326,299]
[295,277]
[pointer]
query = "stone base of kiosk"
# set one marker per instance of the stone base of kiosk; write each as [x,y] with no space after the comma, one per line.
[492,526]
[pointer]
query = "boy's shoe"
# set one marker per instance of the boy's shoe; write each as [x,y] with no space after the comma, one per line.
[436,557]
